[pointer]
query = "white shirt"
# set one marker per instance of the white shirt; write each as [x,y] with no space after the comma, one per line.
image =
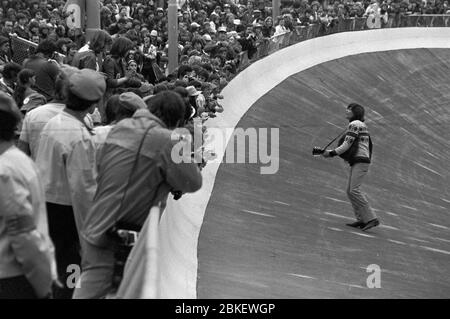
[101,133]
[21,194]
[35,121]
[84,48]
[66,161]
[280,29]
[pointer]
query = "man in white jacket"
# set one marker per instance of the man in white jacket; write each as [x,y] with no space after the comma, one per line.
[27,263]
[66,161]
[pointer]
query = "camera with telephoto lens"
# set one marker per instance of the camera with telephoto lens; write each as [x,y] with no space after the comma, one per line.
[317,151]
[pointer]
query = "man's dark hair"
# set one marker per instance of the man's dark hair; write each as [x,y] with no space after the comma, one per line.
[181,91]
[169,107]
[111,108]
[358,112]
[99,41]
[61,42]
[185,96]
[47,47]
[120,47]
[60,87]
[11,70]
[202,72]
[116,111]
[160,87]
[20,16]
[214,77]
[180,83]
[8,122]
[196,84]
[132,35]
[184,69]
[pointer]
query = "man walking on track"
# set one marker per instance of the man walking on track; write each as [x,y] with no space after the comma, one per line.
[355,147]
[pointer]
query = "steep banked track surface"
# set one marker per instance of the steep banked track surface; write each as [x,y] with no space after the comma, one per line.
[284,235]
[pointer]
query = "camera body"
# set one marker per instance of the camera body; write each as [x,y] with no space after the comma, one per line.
[123,239]
[317,151]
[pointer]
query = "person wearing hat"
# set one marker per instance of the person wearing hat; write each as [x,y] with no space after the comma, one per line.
[117,108]
[27,263]
[139,151]
[207,38]
[159,13]
[197,99]
[222,36]
[194,26]
[258,32]
[153,35]
[36,119]
[66,160]
[132,71]
[256,16]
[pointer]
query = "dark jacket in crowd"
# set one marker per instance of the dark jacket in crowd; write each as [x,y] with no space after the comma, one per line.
[46,71]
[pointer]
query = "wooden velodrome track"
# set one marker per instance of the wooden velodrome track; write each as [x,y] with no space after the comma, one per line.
[284,235]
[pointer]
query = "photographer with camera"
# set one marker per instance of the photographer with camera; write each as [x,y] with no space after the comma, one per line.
[355,147]
[135,172]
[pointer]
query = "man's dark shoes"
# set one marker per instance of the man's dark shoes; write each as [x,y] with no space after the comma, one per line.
[357,224]
[370,224]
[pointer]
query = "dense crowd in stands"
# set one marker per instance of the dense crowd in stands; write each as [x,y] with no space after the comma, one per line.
[81,108]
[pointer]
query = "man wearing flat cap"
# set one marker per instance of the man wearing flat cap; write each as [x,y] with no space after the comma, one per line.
[66,161]
[118,107]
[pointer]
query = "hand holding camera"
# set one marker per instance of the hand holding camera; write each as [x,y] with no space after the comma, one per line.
[320,151]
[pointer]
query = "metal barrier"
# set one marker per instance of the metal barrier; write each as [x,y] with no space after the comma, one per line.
[22,49]
[303,33]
